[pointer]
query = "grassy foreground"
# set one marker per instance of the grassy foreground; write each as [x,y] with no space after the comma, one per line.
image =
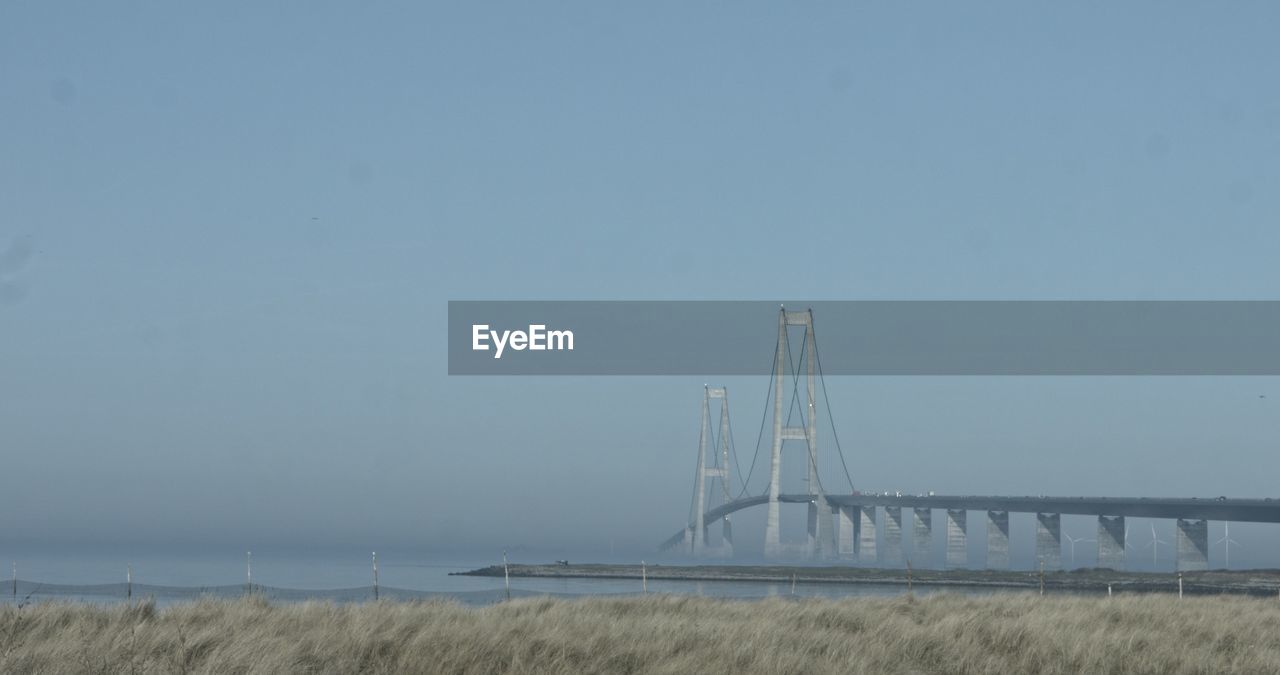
[655,634]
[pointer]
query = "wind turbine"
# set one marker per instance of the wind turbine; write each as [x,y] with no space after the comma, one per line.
[1073,542]
[1155,547]
[1226,542]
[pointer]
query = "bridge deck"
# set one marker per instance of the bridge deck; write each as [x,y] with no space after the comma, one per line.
[1237,510]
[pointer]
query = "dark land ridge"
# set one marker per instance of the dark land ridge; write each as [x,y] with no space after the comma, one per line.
[1247,582]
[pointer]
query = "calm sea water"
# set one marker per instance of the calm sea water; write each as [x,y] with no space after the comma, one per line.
[98,577]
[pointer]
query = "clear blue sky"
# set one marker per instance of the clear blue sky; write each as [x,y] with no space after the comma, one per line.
[244,223]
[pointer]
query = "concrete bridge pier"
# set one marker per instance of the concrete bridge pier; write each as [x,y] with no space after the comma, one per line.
[1111,542]
[867,535]
[893,552]
[957,538]
[772,531]
[922,533]
[1193,545]
[1049,540]
[822,542]
[728,536]
[846,538]
[998,540]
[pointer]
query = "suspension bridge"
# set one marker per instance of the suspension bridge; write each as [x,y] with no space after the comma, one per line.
[868,528]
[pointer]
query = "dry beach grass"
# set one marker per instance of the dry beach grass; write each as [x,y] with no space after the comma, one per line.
[655,634]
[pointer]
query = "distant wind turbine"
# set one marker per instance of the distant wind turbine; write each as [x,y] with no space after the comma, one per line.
[1227,541]
[1073,542]
[1155,547]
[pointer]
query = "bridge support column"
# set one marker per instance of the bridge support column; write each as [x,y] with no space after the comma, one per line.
[726,548]
[1049,540]
[821,536]
[773,547]
[711,468]
[957,538]
[1111,542]
[867,534]
[1193,545]
[998,540]
[772,533]
[892,554]
[922,533]
[846,539]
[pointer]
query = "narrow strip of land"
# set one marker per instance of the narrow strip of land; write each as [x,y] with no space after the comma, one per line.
[1249,582]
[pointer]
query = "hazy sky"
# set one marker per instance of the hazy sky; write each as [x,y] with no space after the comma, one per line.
[228,235]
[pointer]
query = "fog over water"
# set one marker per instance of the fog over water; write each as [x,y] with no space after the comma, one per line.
[228,237]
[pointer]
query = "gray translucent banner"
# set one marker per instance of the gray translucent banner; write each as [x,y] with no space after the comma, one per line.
[867,337]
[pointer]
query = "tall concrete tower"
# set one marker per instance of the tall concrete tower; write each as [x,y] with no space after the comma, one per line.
[820,526]
[699,544]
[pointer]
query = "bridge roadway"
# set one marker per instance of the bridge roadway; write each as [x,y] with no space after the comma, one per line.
[1197,508]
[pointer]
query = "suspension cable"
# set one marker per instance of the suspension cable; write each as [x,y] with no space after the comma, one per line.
[764,415]
[693,499]
[830,417]
[795,403]
[733,450]
[714,444]
[728,485]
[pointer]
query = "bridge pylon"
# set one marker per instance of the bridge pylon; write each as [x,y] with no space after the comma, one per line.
[700,534]
[821,541]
